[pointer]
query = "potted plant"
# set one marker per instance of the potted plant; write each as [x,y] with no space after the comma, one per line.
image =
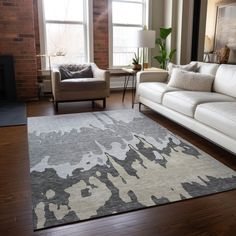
[164,57]
[135,62]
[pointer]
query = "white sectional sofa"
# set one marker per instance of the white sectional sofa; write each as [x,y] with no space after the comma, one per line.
[210,114]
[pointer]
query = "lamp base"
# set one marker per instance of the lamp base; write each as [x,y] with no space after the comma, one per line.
[145,65]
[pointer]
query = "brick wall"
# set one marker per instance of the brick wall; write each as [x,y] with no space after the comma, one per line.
[17,39]
[36,32]
[101,43]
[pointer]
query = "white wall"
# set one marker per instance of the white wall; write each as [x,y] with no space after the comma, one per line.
[186,31]
[211,18]
[157,21]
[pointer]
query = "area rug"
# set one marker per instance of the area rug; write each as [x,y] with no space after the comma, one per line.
[12,113]
[97,164]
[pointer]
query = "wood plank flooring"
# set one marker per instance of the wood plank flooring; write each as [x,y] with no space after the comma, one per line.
[206,216]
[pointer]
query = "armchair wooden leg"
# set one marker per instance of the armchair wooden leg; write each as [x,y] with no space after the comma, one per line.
[104,102]
[56,106]
[93,103]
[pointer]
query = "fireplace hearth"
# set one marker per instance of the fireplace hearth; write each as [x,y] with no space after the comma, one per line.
[7,79]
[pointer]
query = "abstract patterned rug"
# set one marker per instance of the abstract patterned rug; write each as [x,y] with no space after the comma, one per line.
[90,165]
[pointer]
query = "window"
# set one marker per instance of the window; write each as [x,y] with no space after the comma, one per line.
[65,30]
[127,17]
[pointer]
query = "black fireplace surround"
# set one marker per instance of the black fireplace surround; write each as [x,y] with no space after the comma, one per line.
[7,78]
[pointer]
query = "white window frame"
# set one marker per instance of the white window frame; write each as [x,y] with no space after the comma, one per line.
[145,21]
[88,31]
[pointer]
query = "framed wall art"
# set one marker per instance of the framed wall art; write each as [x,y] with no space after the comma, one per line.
[225,32]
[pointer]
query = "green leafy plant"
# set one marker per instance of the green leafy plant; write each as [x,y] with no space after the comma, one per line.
[135,59]
[164,56]
[136,62]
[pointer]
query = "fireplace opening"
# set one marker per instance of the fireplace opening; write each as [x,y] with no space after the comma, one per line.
[7,79]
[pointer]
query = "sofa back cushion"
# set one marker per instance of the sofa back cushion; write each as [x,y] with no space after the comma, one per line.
[225,80]
[207,68]
[191,81]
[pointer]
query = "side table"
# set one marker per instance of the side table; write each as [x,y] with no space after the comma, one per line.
[129,73]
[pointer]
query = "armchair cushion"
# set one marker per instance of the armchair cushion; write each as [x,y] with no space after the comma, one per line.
[82,84]
[75,71]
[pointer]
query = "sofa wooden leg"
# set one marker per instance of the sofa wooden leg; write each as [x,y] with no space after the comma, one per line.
[104,103]
[139,106]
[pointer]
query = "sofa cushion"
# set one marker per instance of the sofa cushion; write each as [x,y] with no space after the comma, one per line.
[154,91]
[186,102]
[225,81]
[207,68]
[82,84]
[191,81]
[220,116]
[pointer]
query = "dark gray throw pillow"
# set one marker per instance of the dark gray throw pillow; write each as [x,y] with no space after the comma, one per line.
[84,73]
[65,73]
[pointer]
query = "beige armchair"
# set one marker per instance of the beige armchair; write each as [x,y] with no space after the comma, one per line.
[67,87]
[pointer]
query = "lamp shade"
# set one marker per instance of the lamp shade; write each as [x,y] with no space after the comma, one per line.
[146,38]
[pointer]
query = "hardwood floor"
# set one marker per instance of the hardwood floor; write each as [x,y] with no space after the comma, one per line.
[207,216]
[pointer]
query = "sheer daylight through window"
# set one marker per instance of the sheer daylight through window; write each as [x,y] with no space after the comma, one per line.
[66,30]
[128,16]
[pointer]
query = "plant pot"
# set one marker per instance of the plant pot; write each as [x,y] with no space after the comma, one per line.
[137,67]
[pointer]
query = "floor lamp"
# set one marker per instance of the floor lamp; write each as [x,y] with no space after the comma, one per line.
[145,39]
